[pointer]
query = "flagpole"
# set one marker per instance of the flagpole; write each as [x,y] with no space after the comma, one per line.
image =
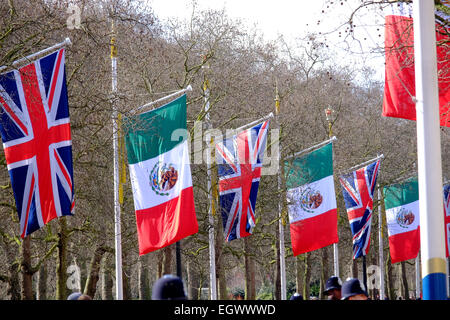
[362,164]
[117,226]
[432,234]
[380,245]
[251,124]
[188,88]
[328,113]
[33,56]
[316,146]
[212,249]
[417,261]
[280,205]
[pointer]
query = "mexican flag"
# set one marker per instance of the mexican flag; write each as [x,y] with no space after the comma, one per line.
[312,200]
[402,215]
[160,174]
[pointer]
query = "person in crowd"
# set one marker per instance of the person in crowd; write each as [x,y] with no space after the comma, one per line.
[352,289]
[168,287]
[296,296]
[333,288]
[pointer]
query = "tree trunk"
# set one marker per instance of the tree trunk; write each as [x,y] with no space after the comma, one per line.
[324,275]
[167,260]
[61,264]
[298,275]
[160,256]
[222,293]
[41,292]
[354,270]
[12,279]
[27,274]
[278,265]
[13,282]
[143,281]
[125,278]
[404,280]
[192,281]
[94,272]
[107,279]
[389,278]
[307,276]
[250,285]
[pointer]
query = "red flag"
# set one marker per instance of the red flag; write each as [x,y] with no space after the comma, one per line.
[399,87]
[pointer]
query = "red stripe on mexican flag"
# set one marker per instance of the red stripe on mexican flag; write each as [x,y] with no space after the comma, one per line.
[314,233]
[162,225]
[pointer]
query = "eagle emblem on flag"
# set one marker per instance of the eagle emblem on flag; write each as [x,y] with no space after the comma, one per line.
[358,188]
[35,130]
[239,163]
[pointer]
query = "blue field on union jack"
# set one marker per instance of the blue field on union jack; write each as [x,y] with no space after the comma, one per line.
[35,131]
[239,161]
[358,188]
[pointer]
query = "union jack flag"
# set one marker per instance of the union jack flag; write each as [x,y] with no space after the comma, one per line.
[447,215]
[447,199]
[35,130]
[358,188]
[239,161]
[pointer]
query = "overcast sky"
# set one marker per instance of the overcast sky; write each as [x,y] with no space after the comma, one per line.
[292,19]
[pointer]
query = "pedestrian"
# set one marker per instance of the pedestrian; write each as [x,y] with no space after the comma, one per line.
[74,296]
[78,296]
[333,288]
[168,287]
[352,289]
[296,296]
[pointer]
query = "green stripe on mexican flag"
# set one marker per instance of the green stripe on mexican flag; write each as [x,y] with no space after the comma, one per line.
[402,215]
[160,174]
[312,200]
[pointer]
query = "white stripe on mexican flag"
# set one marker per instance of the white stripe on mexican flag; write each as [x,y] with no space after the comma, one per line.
[301,212]
[402,216]
[160,176]
[145,194]
[312,201]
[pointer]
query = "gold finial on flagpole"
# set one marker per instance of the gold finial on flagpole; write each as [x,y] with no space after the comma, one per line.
[113,41]
[277,99]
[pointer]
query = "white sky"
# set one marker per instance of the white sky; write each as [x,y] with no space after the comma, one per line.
[290,18]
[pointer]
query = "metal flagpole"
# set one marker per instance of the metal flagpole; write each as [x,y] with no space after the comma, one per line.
[311,148]
[117,227]
[417,276]
[329,112]
[33,56]
[362,164]
[212,249]
[280,206]
[432,234]
[251,124]
[380,245]
[135,110]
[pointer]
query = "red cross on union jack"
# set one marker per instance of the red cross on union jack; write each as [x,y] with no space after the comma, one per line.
[35,129]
